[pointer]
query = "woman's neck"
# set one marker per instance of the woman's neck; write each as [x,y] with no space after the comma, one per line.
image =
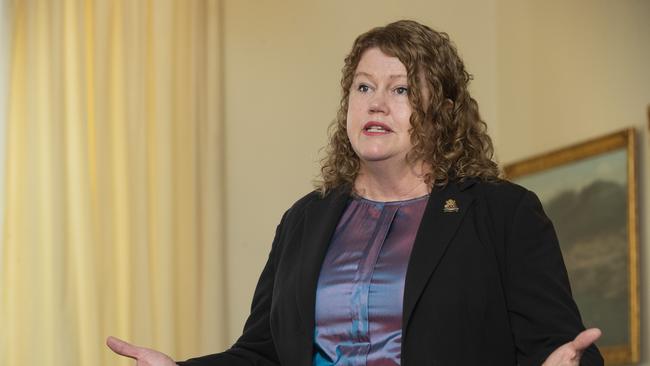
[385,184]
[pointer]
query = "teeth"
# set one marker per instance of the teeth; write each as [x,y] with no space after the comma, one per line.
[376,129]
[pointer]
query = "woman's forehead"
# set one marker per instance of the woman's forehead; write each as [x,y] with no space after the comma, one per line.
[375,63]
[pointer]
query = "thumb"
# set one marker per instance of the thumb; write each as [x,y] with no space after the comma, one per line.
[123,348]
[586,338]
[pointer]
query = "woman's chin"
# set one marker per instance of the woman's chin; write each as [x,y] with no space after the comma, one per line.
[381,161]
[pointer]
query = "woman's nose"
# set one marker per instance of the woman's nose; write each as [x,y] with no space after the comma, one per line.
[378,103]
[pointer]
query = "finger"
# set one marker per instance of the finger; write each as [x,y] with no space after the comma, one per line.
[586,338]
[121,347]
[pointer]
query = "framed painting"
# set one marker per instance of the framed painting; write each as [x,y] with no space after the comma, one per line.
[589,192]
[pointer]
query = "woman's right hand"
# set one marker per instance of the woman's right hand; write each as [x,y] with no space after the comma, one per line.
[143,356]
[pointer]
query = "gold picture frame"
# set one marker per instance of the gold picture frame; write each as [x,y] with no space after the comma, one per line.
[589,190]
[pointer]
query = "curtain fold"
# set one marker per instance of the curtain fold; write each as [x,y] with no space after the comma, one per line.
[113,189]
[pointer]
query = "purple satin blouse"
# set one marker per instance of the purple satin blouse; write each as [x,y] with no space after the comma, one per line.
[361,285]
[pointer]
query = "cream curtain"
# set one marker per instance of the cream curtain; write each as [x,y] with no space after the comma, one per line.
[5,25]
[113,221]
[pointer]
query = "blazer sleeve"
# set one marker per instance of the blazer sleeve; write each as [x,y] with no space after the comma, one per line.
[542,311]
[255,346]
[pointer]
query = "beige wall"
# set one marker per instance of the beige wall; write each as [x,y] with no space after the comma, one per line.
[572,70]
[547,74]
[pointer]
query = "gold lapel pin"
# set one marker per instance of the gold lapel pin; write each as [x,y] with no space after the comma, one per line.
[450,206]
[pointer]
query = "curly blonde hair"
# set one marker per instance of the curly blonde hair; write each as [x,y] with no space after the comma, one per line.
[448,134]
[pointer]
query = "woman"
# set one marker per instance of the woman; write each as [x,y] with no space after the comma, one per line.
[411,251]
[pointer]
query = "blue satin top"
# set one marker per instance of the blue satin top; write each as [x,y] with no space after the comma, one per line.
[361,285]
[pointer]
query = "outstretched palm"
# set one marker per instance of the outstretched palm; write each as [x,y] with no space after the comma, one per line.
[143,356]
[570,353]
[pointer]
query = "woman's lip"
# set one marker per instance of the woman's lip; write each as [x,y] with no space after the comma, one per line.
[376,124]
[368,129]
[375,133]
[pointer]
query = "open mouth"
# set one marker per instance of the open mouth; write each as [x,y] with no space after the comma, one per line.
[376,127]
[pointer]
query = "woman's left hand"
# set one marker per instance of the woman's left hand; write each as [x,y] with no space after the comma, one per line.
[569,354]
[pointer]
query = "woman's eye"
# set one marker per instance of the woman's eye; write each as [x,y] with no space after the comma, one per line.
[401,90]
[363,88]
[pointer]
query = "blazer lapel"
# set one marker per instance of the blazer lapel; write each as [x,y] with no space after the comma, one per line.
[440,221]
[321,218]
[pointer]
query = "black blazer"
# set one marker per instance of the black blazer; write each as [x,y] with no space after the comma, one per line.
[485,285]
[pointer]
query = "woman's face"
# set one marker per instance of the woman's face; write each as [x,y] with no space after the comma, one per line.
[378,124]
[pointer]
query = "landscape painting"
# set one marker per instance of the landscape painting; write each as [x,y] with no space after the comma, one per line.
[589,192]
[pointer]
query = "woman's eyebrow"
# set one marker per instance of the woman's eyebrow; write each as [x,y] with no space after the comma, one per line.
[363,73]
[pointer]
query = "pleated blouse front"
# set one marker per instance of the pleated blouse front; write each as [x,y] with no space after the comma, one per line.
[361,285]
